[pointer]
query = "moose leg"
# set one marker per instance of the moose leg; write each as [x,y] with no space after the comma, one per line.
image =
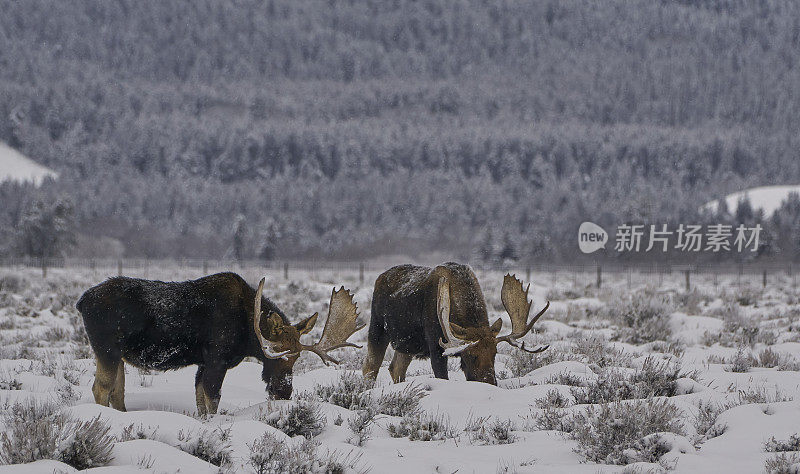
[377,342]
[399,366]
[199,393]
[118,392]
[104,379]
[212,384]
[439,364]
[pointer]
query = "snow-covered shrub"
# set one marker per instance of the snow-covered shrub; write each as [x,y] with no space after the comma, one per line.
[423,427]
[595,351]
[644,317]
[212,446]
[139,431]
[553,399]
[762,395]
[349,359]
[55,334]
[35,431]
[783,463]
[737,328]
[659,379]
[779,446]
[303,417]
[347,391]
[565,378]
[268,455]
[705,422]
[652,379]
[8,322]
[361,424]
[520,362]
[614,433]
[553,419]
[741,362]
[771,358]
[497,432]
[403,402]
[747,296]
[572,292]
[9,381]
[87,444]
[689,301]
[12,283]
[789,363]
[676,348]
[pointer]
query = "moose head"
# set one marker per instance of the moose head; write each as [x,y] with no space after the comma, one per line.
[281,345]
[477,346]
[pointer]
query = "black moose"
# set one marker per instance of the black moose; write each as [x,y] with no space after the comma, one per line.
[213,322]
[414,308]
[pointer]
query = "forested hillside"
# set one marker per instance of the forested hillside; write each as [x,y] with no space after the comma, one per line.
[325,127]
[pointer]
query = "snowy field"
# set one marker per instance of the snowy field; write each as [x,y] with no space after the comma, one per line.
[646,378]
[15,166]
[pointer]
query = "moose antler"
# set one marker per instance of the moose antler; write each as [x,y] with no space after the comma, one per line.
[515,301]
[453,345]
[266,346]
[340,325]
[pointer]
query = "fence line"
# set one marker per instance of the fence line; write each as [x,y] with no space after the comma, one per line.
[594,271]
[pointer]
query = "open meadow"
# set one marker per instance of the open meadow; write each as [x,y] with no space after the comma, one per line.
[640,376]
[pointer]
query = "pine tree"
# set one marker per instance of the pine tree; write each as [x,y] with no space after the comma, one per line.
[486,247]
[508,252]
[239,237]
[47,231]
[269,248]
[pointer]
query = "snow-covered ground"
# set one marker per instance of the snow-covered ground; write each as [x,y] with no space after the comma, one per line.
[14,166]
[767,198]
[646,375]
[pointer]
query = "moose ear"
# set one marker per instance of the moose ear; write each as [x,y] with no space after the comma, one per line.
[496,327]
[458,331]
[305,326]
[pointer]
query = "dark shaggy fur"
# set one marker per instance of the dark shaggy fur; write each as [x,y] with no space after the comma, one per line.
[404,314]
[159,325]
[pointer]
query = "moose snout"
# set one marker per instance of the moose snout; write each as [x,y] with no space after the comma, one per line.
[280,387]
[488,377]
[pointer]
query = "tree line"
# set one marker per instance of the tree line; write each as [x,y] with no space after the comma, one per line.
[339,127]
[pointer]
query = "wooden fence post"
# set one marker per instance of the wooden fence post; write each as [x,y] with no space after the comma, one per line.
[764,280]
[286,270]
[599,276]
[119,267]
[44,268]
[688,283]
[739,276]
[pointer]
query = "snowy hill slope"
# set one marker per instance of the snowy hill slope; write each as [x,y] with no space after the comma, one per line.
[768,198]
[14,166]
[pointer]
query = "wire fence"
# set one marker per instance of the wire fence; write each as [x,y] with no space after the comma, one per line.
[590,274]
